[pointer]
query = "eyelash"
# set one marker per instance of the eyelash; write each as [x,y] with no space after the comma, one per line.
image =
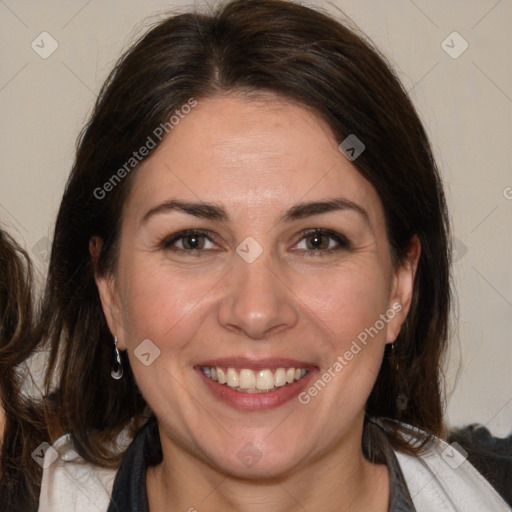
[342,241]
[167,243]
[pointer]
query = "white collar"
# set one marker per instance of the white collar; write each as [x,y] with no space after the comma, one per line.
[442,479]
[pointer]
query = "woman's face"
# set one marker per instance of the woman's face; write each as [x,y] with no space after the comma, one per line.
[250,243]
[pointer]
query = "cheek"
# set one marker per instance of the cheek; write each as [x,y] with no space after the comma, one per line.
[347,300]
[162,304]
[167,307]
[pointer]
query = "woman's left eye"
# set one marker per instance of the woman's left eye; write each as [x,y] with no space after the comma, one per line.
[320,240]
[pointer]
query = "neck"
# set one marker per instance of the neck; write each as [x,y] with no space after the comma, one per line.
[343,481]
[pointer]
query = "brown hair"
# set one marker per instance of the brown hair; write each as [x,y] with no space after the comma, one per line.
[245,46]
[24,430]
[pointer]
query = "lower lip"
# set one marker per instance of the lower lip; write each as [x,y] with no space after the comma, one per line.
[257,401]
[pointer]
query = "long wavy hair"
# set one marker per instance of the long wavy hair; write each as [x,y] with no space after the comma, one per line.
[299,54]
[24,428]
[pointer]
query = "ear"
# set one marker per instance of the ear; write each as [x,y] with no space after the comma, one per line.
[109,296]
[402,289]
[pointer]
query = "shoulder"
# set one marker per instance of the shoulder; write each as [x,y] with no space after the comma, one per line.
[442,478]
[491,456]
[71,484]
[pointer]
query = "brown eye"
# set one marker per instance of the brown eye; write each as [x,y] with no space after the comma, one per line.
[188,241]
[320,240]
[193,242]
[317,241]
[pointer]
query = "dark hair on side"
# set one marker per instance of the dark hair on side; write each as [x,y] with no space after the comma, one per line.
[245,46]
[24,429]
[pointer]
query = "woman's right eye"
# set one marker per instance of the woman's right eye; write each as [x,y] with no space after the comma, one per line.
[189,241]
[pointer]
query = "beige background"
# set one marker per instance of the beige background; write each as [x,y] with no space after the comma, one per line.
[465,102]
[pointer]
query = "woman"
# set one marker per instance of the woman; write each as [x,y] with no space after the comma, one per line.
[22,427]
[251,258]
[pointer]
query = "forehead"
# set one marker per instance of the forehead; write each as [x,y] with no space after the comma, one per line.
[263,152]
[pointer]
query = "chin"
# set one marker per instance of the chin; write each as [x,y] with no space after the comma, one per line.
[252,463]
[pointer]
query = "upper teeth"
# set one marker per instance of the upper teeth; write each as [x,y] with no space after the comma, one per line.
[247,379]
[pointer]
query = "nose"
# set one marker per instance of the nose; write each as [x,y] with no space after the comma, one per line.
[257,301]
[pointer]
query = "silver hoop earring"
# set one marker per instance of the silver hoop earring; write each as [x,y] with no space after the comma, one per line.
[116,370]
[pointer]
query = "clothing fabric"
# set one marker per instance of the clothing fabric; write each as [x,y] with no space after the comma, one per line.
[440,479]
[70,484]
[492,456]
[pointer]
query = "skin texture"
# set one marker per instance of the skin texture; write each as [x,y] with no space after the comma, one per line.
[256,158]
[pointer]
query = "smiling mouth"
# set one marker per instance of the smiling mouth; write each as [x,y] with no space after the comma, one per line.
[246,380]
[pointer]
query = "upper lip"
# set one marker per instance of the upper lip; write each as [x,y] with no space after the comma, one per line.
[255,363]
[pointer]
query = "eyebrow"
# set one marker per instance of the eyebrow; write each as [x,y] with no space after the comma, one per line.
[201,209]
[303,210]
[216,212]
